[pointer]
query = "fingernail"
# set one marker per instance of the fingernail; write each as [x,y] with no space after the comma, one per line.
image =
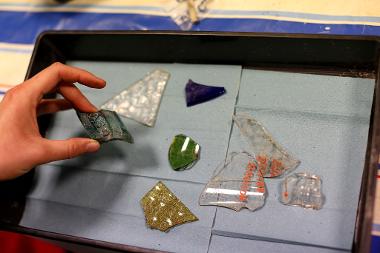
[101,79]
[95,108]
[92,146]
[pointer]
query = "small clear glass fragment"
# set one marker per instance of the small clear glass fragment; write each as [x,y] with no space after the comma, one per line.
[104,126]
[267,151]
[163,210]
[302,189]
[186,13]
[141,100]
[237,184]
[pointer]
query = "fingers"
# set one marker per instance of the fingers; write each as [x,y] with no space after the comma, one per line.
[76,98]
[47,106]
[73,98]
[65,149]
[49,78]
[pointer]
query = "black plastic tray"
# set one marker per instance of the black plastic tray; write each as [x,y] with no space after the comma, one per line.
[324,54]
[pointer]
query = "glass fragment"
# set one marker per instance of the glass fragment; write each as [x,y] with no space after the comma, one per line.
[203,5]
[302,189]
[237,184]
[163,210]
[186,13]
[274,159]
[198,93]
[183,152]
[141,100]
[104,126]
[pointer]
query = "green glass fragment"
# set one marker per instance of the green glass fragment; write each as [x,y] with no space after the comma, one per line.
[183,152]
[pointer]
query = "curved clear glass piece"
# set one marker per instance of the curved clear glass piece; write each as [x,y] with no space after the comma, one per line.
[268,152]
[237,184]
[141,100]
[302,189]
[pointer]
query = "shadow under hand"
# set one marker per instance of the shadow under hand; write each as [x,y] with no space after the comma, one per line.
[87,187]
[114,157]
[79,191]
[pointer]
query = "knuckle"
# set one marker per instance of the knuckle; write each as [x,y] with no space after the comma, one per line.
[20,96]
[38,155]
[72,150]
[11,94]
[34,154]
[57,65]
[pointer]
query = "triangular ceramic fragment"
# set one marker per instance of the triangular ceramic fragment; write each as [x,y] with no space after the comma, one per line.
[141,100]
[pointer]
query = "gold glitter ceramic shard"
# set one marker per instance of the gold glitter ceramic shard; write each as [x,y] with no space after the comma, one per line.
[142,99]
[163,210]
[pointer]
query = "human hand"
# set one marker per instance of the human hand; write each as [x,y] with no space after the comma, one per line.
[21,145]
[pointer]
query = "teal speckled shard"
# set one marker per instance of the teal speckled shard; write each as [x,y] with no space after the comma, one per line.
[104,126]
[183,152]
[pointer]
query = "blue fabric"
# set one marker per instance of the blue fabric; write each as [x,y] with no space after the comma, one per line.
[375,246]
[33,23]
[275,26]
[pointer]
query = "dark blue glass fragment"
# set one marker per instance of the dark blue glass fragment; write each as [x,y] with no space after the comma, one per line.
[198,93]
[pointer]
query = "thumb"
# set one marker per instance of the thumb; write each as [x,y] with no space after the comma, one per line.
[65,149]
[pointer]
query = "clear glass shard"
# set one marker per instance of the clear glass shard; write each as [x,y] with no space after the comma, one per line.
[268,152]
[199,93]
[163,210]
[237,184]
[104,126]
[187,13]
[302,189]
[141,100]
